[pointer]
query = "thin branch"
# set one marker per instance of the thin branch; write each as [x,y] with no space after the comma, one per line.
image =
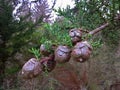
[98,29]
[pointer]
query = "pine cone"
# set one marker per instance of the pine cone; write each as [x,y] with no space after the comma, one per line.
[81,51]
[76,35]
[62,54]
[31,69]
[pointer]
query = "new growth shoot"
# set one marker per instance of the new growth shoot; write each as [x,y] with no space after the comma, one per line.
[36,52]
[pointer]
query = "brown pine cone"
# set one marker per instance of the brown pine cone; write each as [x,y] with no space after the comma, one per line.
[62,54]
[81,51]
[76,35]
[31,69]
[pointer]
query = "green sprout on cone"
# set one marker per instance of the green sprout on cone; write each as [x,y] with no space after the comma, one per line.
[36,52]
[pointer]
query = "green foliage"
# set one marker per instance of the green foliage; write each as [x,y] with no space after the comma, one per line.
[90,14]
[65,40]
[36,52]
[48,45]
[14,33]
[56,35]
[80,16]
[112,35]
[96,44]
[86,36]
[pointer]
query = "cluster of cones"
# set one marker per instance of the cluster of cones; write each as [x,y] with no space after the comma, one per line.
[80,52]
